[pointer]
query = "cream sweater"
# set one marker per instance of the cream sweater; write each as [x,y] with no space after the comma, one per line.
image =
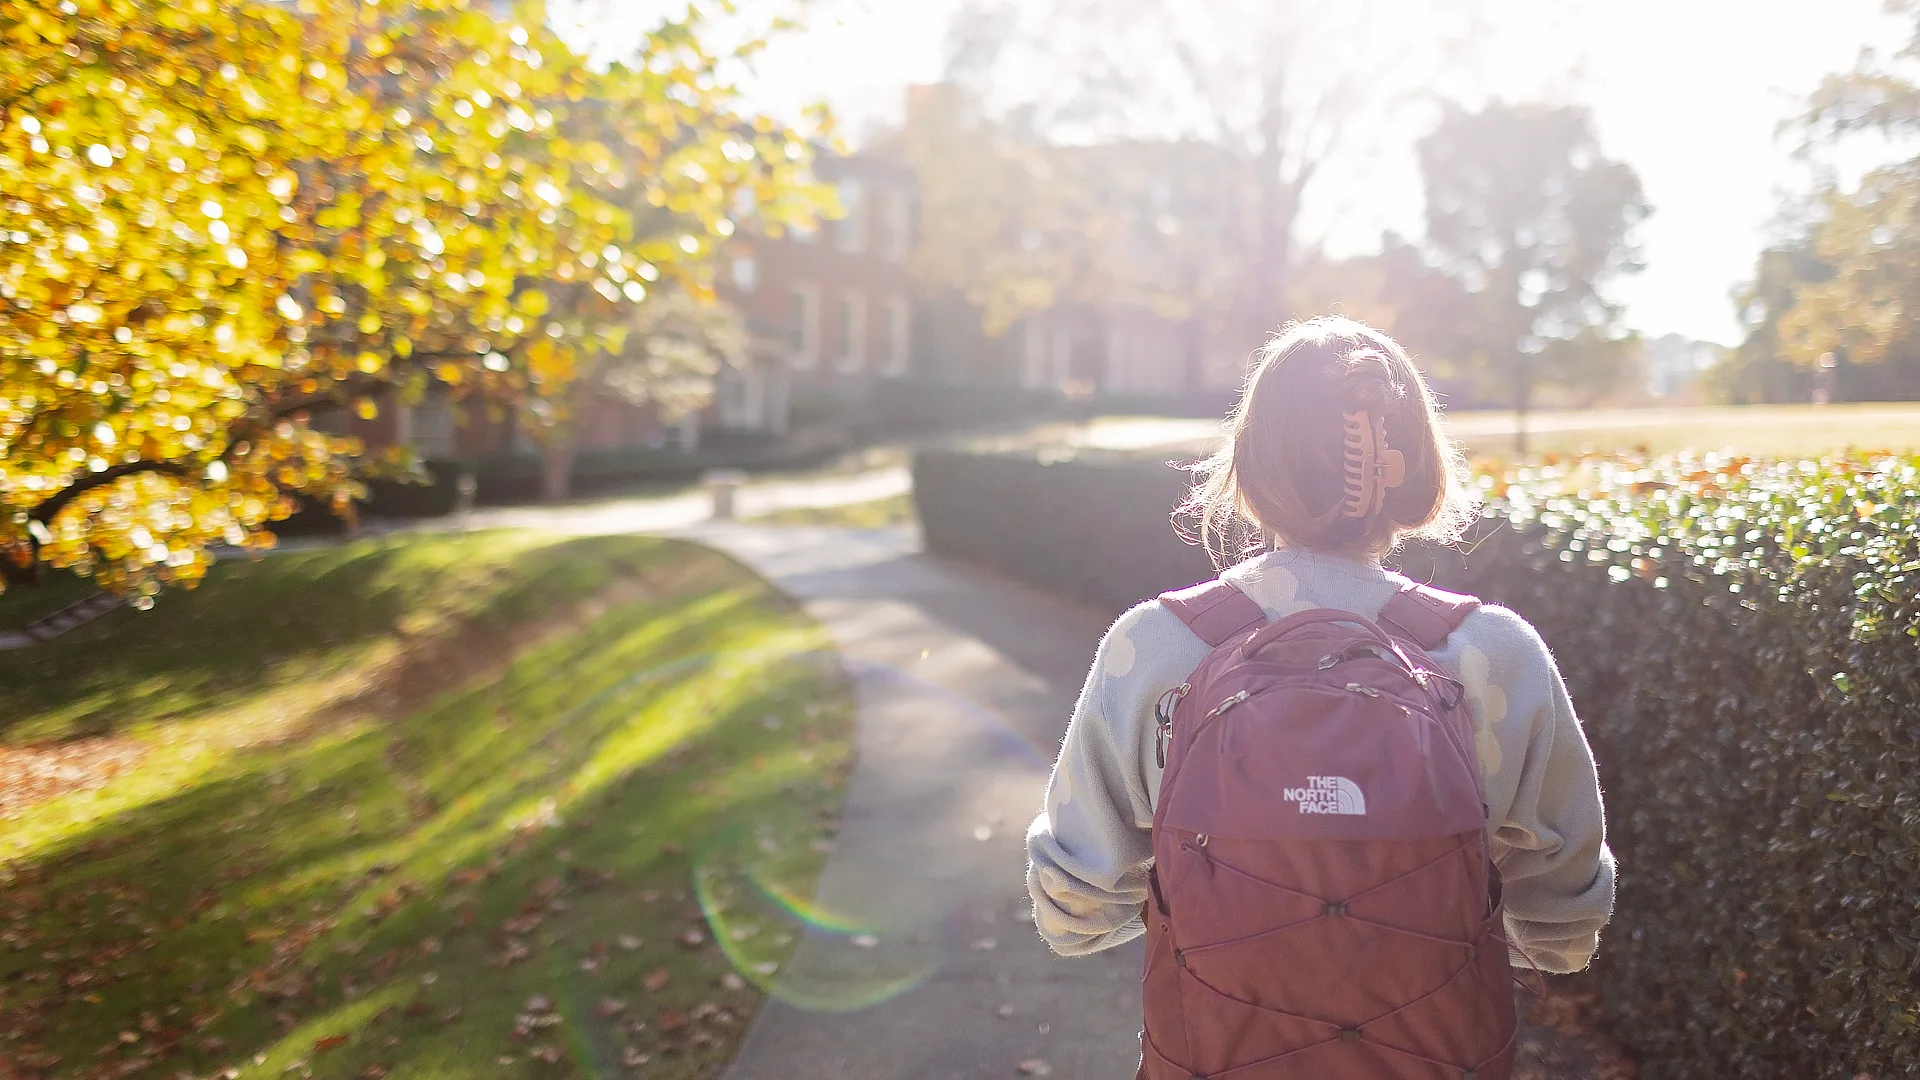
[1090,847]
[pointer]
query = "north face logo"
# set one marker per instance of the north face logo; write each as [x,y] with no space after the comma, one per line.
[1328,795]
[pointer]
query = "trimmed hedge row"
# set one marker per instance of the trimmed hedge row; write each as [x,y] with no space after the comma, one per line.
[1743,642]
[1093,527]
[506,479]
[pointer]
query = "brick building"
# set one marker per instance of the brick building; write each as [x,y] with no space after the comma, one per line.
[831,310]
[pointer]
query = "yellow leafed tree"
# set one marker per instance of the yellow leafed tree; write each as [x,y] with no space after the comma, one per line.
[221,220]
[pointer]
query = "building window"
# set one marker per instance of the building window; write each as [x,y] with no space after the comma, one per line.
[853,332]
[896,227]
[806,326]
[430,427]
[746,273]
[850,232]
[742,397]
[897,349]
[1033,370]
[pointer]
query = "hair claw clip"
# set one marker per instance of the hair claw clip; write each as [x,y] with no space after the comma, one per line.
[1372,467]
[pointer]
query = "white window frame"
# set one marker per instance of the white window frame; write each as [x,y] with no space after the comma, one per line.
[899,337]
[745,271]
[850,232]
[897,226]
[852,312]
[805,298]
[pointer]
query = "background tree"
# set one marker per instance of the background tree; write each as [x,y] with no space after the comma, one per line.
[1251,99]
[1005,221]
[1848,292]
[1761,368]
[674,347]
[1528,217]
[224,220]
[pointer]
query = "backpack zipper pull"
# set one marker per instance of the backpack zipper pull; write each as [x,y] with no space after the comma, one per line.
[1229,703]
[1163,733]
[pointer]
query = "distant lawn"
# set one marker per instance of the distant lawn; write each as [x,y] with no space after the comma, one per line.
[873,514]
[416,807]
[1768,431]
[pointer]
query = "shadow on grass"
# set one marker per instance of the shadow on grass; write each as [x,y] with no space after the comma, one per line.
[287,619]
[405,886]
[23,602]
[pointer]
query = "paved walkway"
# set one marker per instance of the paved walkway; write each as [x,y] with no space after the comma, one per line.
[964,685]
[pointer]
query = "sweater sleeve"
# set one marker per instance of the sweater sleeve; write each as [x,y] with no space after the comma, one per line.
[1089,849]
[1550,843]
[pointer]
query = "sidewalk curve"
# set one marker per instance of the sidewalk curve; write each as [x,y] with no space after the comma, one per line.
[964,684]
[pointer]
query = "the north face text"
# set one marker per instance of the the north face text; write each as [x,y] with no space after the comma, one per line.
[1327,795]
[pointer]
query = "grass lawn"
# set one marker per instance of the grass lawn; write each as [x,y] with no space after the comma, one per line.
[873,514]
[1767,431]
[416,807]
[22,604]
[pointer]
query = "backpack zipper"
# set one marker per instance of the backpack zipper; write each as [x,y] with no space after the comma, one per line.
[1228,704]
[1163,734]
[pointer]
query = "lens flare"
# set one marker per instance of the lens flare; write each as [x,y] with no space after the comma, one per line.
[799,951]
[1017,747]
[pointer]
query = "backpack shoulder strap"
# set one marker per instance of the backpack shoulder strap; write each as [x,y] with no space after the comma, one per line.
[1426,615]
[1216,611]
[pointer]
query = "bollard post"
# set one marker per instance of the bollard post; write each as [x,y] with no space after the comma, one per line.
[465,486]
[722,485]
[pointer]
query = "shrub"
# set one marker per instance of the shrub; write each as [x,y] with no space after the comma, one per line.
[1743,643]
[915,407]
[1093,527]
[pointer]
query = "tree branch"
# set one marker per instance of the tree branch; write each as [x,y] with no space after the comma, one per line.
[48,510]
[332,395]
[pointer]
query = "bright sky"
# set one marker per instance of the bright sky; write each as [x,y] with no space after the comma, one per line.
[1689,92]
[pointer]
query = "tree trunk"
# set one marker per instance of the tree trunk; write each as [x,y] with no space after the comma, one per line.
[16,575]
[1522,403]
[556,472]
[1277,206]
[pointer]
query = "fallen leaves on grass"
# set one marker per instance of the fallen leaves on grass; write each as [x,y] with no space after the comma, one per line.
[538,1016]
[31,775]
[522,925]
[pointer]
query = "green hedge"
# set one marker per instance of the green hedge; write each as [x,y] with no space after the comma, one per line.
[506,479]
[1094,526]
[1741,641]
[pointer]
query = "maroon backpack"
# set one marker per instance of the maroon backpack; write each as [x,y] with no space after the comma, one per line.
[1323,904]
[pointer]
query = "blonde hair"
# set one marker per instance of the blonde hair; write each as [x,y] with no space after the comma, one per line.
[1281,476]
